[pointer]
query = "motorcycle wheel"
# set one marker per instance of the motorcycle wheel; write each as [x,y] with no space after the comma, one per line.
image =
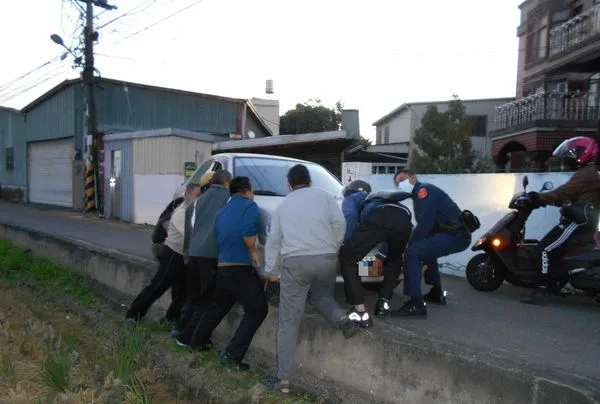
[483,275]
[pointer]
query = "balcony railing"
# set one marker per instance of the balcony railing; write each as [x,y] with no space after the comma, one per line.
[575,106]
[575,31]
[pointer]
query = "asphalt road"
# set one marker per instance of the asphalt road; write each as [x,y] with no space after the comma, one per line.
[562,337]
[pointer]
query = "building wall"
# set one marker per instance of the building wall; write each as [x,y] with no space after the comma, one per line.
[399,127]
[252,124]
[158,169]
[269,111]
[122,108]
[11,127]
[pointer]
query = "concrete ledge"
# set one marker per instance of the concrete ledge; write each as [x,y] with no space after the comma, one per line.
[386,364]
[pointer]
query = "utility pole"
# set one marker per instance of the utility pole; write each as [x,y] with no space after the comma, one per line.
[91,157]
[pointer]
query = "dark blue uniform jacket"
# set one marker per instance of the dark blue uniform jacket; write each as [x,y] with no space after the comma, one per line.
[435,212]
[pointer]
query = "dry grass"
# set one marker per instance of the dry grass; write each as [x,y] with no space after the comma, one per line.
[39,364]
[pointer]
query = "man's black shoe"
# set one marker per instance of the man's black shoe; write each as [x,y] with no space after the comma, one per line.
[411,309]
[382,308]
[361,318]
[436,296]
[228,361]
[203,347]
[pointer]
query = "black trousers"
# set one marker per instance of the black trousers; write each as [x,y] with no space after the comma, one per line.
[235,284]
[562,239]
[200,282]
[170,274]
[385,223]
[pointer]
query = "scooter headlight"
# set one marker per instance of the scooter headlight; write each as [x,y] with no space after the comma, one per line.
[479,242]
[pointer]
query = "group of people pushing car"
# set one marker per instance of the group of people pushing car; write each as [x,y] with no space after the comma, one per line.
[206,246]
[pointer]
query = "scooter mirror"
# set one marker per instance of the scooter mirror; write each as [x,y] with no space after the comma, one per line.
[525,182]
[548,185]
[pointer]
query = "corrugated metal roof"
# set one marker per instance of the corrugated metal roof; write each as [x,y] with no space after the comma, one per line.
[205,137]
[281,140]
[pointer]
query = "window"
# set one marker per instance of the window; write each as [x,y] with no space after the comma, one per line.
[478,125]
[374,170]
[391,170]
[269,176]
[200,171]
[9,158]
[386,135]
[378,139]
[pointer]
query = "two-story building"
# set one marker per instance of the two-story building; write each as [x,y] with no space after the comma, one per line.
[557,83]
[398,128]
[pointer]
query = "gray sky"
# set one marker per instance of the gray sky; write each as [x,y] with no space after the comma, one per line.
[373,55]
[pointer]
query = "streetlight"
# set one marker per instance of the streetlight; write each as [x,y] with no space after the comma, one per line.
[59,41]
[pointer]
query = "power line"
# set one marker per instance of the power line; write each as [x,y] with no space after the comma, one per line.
[128,13]
[9,83]
[24,84]
[11,96]
[155,23]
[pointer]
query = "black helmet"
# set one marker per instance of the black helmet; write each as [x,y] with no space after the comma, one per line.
[356,186]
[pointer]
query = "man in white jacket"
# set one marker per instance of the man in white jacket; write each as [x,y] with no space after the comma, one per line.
[301,251]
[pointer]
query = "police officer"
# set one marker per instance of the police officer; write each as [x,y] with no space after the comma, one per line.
[581,191]
[367,225]
[440,232]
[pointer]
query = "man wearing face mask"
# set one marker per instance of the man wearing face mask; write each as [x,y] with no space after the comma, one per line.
[171,269]
[440,232]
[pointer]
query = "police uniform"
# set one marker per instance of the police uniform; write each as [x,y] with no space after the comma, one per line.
[439,232]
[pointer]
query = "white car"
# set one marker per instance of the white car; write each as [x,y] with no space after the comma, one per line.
[268,175]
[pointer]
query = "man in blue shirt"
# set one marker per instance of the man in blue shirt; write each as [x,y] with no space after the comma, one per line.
[368,224]
[237,280]
[440,232]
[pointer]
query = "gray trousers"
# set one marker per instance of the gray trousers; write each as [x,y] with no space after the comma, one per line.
[298,275]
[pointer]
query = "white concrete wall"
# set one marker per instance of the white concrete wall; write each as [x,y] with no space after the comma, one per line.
[486,195]
[151,193]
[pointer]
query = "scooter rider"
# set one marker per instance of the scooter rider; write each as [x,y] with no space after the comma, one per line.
[440,232]
[368,224]
[582,190]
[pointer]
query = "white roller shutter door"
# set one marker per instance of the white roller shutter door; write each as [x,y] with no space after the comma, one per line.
[50,173]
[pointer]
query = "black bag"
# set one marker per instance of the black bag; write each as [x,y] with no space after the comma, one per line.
[159,234]
[470,221]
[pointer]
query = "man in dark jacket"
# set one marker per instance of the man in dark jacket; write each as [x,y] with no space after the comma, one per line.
[202,267]
[367,225]
[440,232]
[171,270]
[583,192]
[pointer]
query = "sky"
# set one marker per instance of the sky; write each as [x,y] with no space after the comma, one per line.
[372,55]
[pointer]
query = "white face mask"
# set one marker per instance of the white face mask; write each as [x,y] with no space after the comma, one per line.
[406,186]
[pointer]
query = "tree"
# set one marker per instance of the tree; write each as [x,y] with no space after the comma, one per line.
[443,141]
[312,117]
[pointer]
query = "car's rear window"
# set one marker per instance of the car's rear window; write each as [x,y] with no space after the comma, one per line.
[269,176]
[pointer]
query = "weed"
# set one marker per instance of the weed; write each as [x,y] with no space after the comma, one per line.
[137,390]
[7,370]
[55,372]
[127,351]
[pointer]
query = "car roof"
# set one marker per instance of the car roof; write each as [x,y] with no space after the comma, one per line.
[257,155]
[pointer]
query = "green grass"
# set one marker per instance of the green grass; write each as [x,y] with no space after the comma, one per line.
[55,372]
[127,354]
[16,263]
[138,390]
[7,370]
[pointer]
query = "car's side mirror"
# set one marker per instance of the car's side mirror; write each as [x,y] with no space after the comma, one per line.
[548,185]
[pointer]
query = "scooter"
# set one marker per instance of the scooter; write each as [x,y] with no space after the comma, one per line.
[509,256]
